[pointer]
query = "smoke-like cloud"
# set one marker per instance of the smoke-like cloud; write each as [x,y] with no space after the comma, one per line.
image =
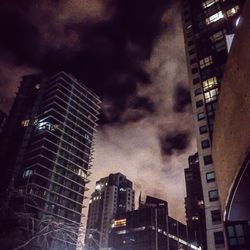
[152,150]
[131,54]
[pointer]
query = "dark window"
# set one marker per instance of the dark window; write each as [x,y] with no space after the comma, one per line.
[194,70]
[191,52]
[194,60]
[208,159]
[213,195]
[236,235]
[197,91]
[205,144]
[206,73]
[210,176]
[203,129]
[199,103]
[196,80]
[201,116]
[216,215]
[221,45]
[218,238]
[189,34]
[190,43]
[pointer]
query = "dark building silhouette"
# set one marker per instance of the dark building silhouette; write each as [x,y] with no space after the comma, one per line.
[148,228]
[194,203]
[113,195]
[46,153]
[3,118]
[209,27]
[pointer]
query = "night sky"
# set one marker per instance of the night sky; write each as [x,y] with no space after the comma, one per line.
[129,52]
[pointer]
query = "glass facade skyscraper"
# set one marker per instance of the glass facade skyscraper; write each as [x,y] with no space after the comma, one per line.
[46,149]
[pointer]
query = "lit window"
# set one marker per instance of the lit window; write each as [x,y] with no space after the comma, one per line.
[233,11]
[81,173]
[44,125]
[214,18]
[119,223]
[210,176]
[213,195]
[195,218]
[27,173]
[206,62]
[209,83]
[25,123]
[208,3]
[211,95]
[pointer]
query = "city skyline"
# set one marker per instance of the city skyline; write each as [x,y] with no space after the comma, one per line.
[106,103]
[147,122]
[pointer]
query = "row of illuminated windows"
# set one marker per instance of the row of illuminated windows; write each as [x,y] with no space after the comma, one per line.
[219,15]
[209,3]
[206,84]
[210,96]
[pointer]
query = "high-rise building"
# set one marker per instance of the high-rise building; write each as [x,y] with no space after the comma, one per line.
[113,195]
[46,153]
[149,228]
[194,203]
[209,27]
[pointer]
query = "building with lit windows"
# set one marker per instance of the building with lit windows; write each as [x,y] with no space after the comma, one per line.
[113,195]
[46,153]
[209,27]
[148,228]
[194,203]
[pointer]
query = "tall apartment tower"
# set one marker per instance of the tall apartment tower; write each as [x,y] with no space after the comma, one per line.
[208,27]
[194,203]
[46,151]
[113,195]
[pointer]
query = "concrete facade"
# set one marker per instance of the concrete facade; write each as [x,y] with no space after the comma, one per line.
[231,139]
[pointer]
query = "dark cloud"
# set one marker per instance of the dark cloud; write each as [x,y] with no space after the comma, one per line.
[182,98]
[106,54]
[143,103]
[174,142]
